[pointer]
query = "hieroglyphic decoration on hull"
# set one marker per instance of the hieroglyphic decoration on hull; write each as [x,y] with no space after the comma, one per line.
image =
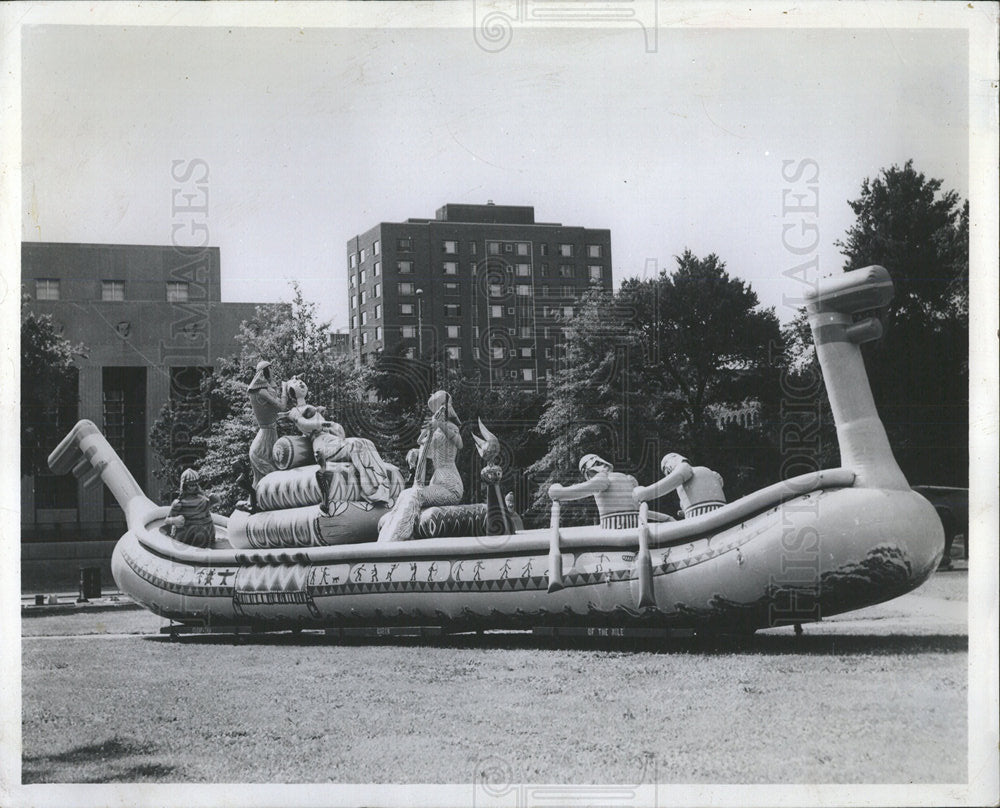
[203,582]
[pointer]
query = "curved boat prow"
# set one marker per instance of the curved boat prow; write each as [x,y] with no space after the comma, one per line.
[87,453]
[831,308]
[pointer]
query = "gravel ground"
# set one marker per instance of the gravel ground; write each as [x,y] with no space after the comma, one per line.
[877,696]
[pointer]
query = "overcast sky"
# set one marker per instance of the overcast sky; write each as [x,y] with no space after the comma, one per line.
[314,135]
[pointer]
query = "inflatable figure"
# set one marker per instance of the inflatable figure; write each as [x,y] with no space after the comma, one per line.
[514,515]
[190,517]
[499,521]
[266,405]
[439,443]
[612,491]
[331,445]
[699,488]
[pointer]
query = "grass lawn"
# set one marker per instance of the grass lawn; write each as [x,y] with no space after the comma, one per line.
[105,700]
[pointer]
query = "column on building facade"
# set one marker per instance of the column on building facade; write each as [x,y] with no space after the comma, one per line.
[91,407]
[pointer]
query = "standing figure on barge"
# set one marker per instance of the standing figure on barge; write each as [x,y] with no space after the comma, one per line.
[440,442]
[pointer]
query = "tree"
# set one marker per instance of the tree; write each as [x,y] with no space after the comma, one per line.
[707,336]
[49,394]
[919,370]
[297,343]
[921,235]
[646,369]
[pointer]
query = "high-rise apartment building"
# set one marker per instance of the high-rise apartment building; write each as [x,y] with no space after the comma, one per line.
[483,288]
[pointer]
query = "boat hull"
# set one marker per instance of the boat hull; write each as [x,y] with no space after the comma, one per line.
[808,557]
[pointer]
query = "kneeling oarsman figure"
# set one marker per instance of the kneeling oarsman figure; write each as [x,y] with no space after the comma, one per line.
[698,488]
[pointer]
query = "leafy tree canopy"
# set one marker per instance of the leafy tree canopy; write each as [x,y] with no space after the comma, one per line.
[48,387]
[297,343]
[646,367]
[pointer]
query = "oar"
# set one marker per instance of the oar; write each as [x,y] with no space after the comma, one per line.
[643,563]
[555,554]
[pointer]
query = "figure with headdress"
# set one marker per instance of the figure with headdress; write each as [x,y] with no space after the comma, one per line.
[266,404]
[698,488]
[190,518]
[499,519]
[439,444]
[612,491]
[330,444]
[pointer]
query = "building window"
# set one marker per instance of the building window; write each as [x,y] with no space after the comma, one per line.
[354,321]
[528,374]
[510,309]
[526,353]
[544,270]
[525,332]
[404,244]
[524,290]
[177,292]
[453,331]
[364,297]
[522,248]
[594,251]
[451,247]
[378,332]
[452,310]
[364,253]
[524,270]
[453,352]
[472,248]
[567,311]
[475,352]
[406,288]
[377,290]
[350,279]
[376,248]
[411,353]
[567,291]
[548,353]
[406,308]
[496,311]
[512,374]
[496,290]
[113,290]
[596,272]
[408,331]
[497,351]
[543,249]
[378,312]
[377,268]
[451,288]
[364,318]
[545,291]
[364,338]
[404,267]
[354,260]
[513,352]
[508,248]
[362,277]
[565,270]
[354,343]
[450,268]
[493,247]
[566,250]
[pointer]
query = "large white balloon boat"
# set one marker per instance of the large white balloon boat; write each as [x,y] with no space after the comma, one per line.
[797,551]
